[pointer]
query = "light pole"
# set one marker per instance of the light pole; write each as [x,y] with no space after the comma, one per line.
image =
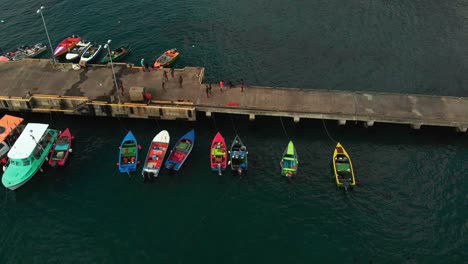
[39,11]
[107,46]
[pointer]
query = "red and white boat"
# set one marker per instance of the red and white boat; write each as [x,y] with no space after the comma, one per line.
[155,157]
[66,45]
[61,149]
[218,154]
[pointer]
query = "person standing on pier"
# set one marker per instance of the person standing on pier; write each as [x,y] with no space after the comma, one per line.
[172,72]
[207,91]
[165,76]
[163,85]
[221,85]
[180,81]
[242,85]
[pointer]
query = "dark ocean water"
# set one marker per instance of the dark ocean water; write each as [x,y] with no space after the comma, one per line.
[410,203]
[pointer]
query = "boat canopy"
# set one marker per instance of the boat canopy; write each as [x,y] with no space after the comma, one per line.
[27,141]
[7,124]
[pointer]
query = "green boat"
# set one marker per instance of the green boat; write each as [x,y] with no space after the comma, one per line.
[28,154]
[117,54]
[289,161]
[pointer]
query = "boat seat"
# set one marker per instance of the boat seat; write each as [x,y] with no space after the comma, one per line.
[60,155]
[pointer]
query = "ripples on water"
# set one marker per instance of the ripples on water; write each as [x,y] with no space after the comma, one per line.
[410,203]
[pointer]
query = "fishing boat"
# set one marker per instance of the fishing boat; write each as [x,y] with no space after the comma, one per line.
[238,156]
[66,45]
[181,151]
[289,162]
[77,51]
[218,154]
[28,154]
[90,55]
[25,52]
[128,154]
[155,157]
[167,58]
[61,149]
[117,54]
[10,129]
[343,168]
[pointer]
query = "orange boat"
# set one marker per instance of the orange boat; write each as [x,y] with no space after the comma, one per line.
[66,45]
[10,129]
[167,58]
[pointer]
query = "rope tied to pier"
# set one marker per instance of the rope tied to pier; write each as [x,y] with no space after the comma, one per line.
[284,129]
[233,125]
[328,134]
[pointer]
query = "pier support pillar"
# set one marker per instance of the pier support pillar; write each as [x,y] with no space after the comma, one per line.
[462,129]
[369,123]
[416,126]
[251,117]
[296,119]
[208,114]
[341,122]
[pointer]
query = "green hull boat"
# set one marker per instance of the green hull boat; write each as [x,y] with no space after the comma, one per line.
[117,54]
[289,161]
[28,154]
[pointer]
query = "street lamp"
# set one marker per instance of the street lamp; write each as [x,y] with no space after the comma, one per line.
[107,46]
[39,11]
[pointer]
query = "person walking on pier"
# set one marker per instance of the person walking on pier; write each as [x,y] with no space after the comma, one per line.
[207,91]
[172,72]
[165,76]
[180,81]
[242,85]
[163,85]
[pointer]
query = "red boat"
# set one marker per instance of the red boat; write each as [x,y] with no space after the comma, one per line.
[61,149]
[167,58]
[66,45]
[218,154]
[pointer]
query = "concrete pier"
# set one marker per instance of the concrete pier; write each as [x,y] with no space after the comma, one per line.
[40,86]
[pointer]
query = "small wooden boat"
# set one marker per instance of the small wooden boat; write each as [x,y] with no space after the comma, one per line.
[238,156]
[218,154]
[343,168]
[25,52]
[117,54]
[289,162]
[155,157]
[167,58]
[181,151]
[90,55]
[77,51]
[61,149]
[128,154]
[11,128]
[66,45]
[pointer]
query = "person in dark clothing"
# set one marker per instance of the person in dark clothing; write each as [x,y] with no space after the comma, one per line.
[242,85]
[172,72]
[165,76]
[180,81]
[163,85]
[207,91]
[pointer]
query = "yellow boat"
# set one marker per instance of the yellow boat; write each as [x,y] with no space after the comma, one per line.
[343,167]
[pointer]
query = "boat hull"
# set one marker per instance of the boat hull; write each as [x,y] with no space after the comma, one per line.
[238,156]
[60,151]
[66,45]
[218,153]
[156,153]
[343,167]
[128,154]
[123,52]
[181,151]
[167,58]
[289,163]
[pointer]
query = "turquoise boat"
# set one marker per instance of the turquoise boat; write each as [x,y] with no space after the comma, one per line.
[28,154]
[289,161]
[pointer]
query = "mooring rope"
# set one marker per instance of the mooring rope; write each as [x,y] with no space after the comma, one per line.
[233,125]
[122,124]
[328,134]
[284,129]
[214,121]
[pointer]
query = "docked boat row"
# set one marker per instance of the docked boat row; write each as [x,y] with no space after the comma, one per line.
[221,156]
[77,50]
[24,155]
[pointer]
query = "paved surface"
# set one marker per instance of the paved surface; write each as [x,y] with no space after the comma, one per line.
[40,76]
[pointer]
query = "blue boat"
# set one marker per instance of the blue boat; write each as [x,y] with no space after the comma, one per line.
[128,154]
[181,151]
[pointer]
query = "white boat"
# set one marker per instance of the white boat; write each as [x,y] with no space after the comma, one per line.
[90,54]
[156,153]
[77,51]
[28,154]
